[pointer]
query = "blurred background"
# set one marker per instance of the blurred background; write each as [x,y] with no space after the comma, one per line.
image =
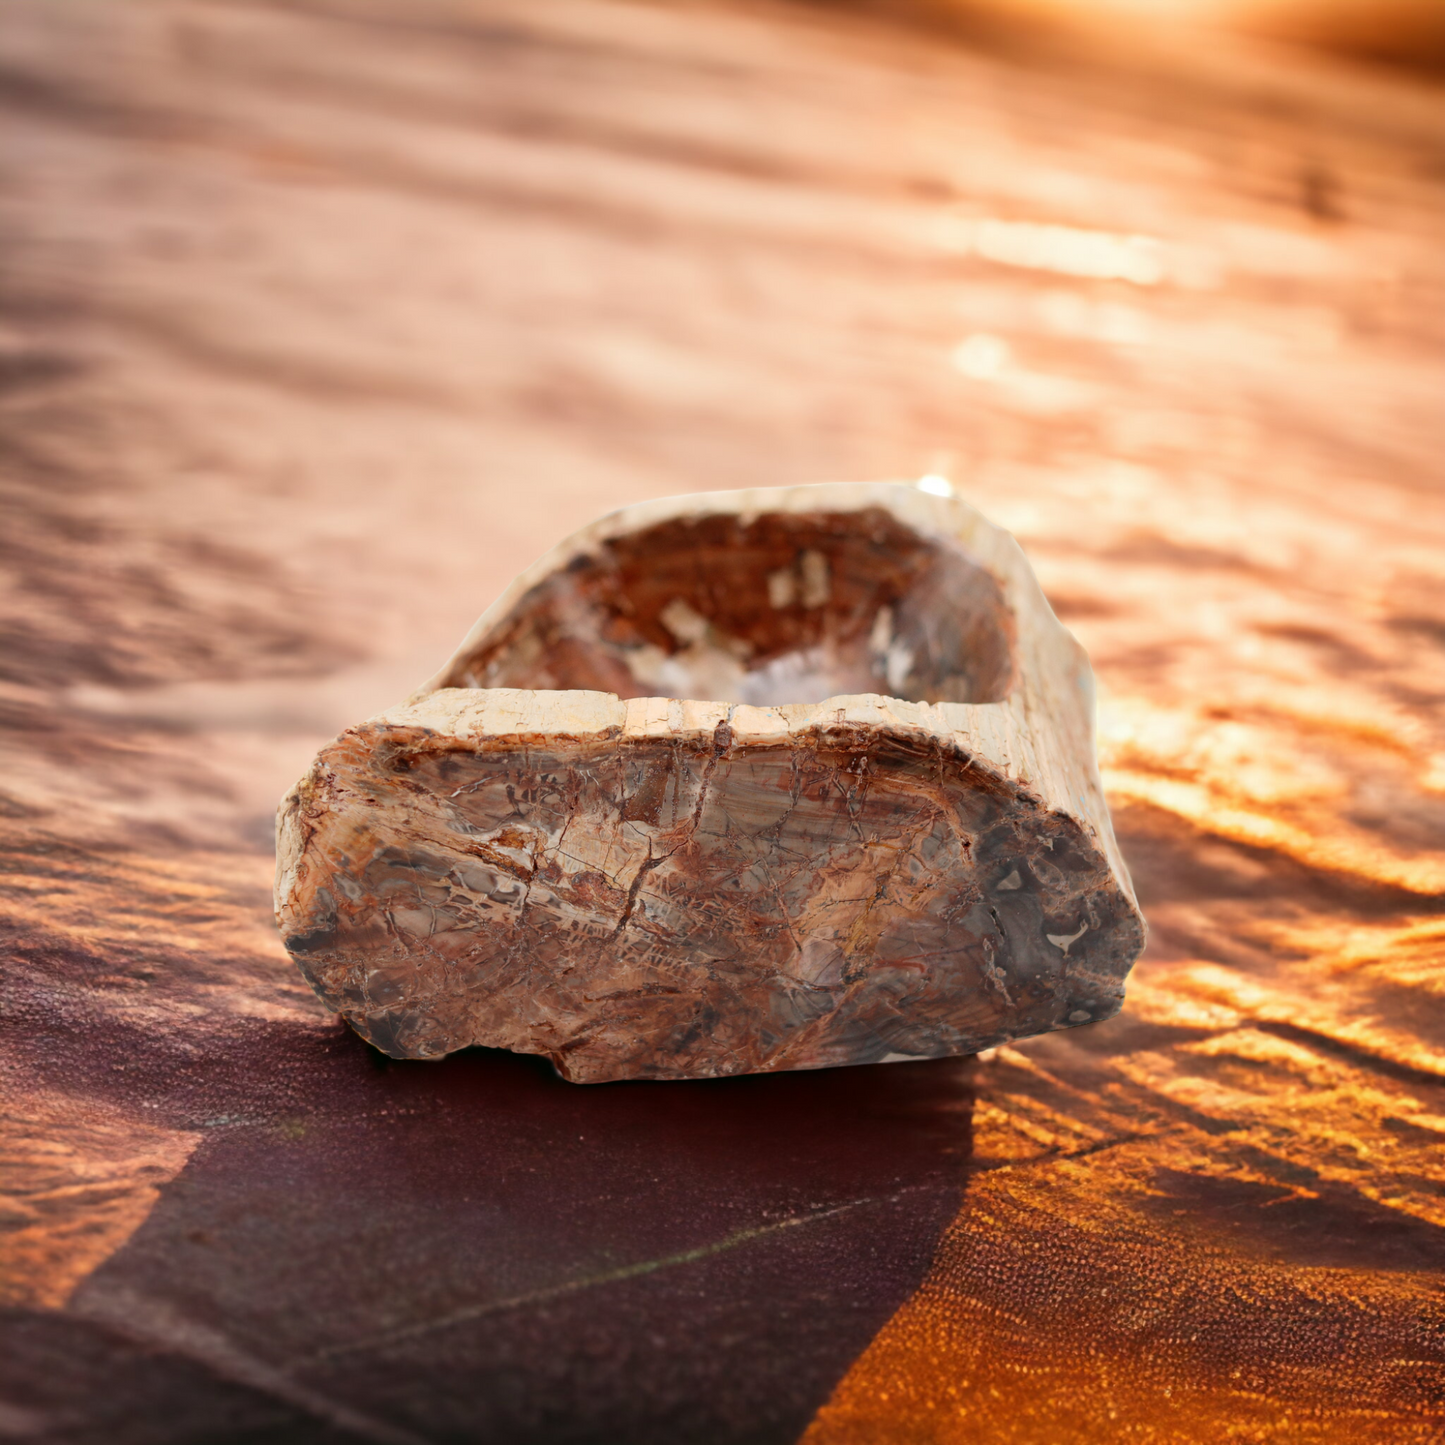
[320,320]
[323,319]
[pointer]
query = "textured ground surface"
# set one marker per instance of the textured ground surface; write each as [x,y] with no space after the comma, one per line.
[319,321]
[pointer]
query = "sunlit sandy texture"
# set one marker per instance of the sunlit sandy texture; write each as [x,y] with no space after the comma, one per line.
[321,321]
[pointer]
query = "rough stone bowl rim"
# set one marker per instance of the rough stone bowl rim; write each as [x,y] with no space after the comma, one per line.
[933,517]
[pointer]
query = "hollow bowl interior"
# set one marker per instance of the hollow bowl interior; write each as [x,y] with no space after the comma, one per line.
[767,609]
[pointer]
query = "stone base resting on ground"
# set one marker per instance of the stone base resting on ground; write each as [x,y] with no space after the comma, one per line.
[884,837]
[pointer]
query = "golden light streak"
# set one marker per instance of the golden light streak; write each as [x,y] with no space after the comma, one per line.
[1344,851]
[1064,250]
[1079,1300]
[80,1177]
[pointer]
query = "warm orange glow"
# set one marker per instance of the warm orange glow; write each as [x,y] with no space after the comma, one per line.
[1085,1302]
[1064,250]
[319,321]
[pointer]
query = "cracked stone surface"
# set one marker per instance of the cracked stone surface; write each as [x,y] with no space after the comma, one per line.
[655,887]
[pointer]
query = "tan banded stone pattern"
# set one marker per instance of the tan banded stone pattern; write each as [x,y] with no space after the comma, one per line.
[652,887]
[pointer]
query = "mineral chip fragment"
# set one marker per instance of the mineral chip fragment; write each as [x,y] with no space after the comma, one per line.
[881,836]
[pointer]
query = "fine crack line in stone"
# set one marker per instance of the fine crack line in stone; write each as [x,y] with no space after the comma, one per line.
[722,741]
[632,892]
[900,852]
[611,1276]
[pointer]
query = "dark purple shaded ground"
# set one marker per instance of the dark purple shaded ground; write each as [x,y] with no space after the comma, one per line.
[476,1250]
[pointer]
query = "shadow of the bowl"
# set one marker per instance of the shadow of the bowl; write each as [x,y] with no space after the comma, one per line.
[477,1250]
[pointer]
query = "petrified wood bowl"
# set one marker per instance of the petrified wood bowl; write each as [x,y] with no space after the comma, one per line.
[881,836]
